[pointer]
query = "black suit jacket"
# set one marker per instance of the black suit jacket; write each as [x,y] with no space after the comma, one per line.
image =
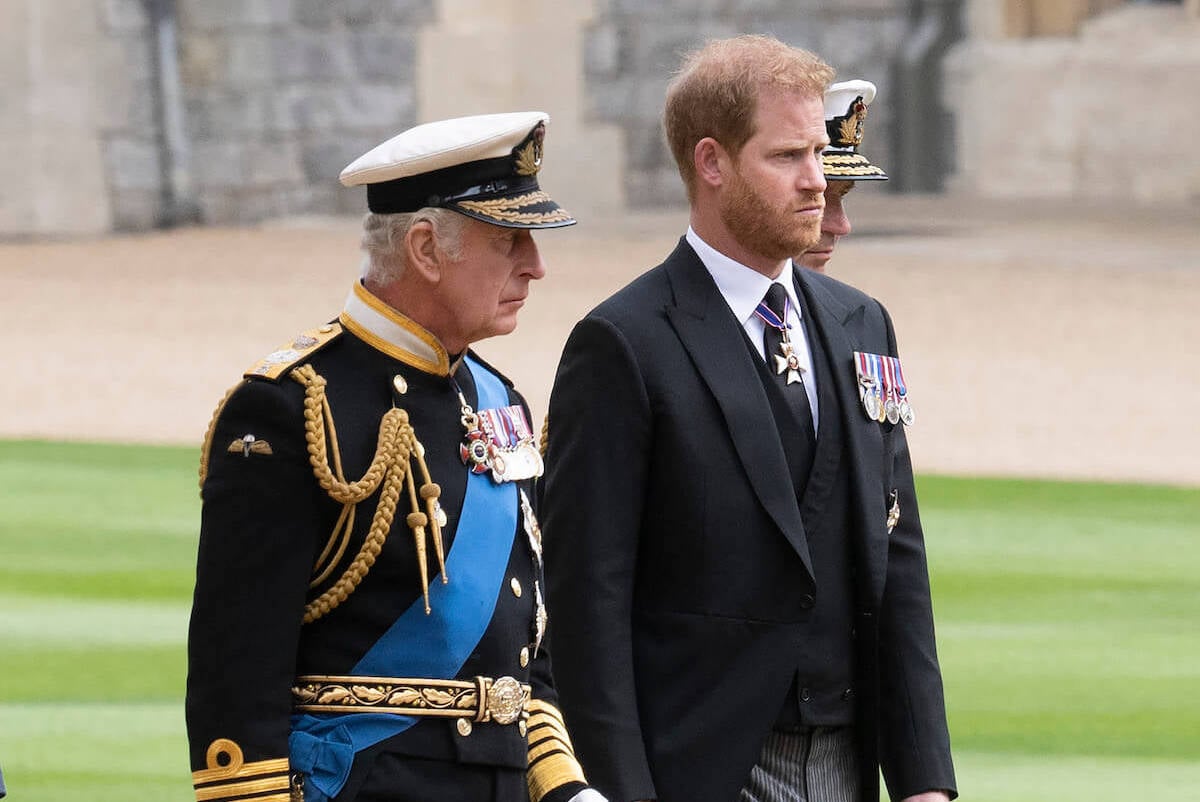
[679,567]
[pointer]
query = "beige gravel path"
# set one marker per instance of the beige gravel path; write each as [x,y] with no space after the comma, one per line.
[1036,342]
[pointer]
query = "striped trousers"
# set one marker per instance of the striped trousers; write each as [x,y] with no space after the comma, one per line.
[816,764]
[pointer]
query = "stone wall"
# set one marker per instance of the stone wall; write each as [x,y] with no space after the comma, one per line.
[282,94]
[632,48]
[70,75]
[1091,118]
[129,120]
[276,96]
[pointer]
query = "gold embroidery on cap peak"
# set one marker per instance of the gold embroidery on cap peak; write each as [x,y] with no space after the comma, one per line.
[506,208]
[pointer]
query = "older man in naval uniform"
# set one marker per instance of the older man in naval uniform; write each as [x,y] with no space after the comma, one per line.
[846,104]
[369,617]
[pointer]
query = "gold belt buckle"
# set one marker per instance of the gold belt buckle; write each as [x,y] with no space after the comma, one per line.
[502,700]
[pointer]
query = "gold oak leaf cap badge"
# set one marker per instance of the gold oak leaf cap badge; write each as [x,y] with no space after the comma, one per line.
[846,106]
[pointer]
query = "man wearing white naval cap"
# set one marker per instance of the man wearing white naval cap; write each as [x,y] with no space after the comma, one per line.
[846,106]
[368,621]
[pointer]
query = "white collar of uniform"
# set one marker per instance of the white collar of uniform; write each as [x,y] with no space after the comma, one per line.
[383,328]
[742,287]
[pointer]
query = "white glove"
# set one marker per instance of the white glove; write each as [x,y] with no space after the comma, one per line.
[588,795]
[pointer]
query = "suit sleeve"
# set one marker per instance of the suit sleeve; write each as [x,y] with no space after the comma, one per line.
[599,427]
[914,738]
[256,549]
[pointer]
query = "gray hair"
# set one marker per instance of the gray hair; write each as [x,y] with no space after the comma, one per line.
[383,239]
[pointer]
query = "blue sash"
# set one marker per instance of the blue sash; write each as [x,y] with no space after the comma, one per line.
[433,646]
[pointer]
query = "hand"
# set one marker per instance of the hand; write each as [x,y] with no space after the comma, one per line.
[928,796]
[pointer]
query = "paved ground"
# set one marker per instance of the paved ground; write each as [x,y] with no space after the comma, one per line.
[1037,341]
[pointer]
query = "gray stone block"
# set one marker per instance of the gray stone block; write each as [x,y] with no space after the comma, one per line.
[654,189]
[608,100]
[208,15]
[383,55]
[602,56]
[315,13]
[410,12]
[312,108]
[389,107]
[271,163]
[214,207]
[306,55]
[323,160]
[250,60]
[203,60]
[321,199]
[362,13]
[135,209]
[220,114]
[860,48]
[125,16]
[798,30]
[646,148]
[132,163]
[386,106]
[217,164]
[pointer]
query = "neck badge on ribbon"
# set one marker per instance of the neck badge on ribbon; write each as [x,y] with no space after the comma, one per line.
[786,359]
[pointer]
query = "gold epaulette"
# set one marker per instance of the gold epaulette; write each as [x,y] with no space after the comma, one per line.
[552,762]
[277,363]
[229,777]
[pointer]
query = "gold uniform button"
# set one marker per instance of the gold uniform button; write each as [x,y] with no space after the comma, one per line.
[400,384]
[524,657]
[515,584]
[522,728]
[464,727]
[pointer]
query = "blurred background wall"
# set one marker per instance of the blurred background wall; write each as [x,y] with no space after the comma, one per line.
[134,114]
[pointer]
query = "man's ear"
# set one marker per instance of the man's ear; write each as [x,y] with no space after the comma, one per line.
[421,251]
[711,161]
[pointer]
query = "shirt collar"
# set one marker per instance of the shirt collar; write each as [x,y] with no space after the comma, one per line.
[742,287]
[385,329]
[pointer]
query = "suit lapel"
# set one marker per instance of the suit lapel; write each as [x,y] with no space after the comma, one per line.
[712,337]
[834,322]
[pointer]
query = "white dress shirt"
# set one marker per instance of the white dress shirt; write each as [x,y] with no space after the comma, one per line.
[743,288]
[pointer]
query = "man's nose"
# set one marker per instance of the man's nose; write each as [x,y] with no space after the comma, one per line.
[835,221]
[534,267]
[812,177]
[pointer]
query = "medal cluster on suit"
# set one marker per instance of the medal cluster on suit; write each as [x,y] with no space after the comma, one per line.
[882,389]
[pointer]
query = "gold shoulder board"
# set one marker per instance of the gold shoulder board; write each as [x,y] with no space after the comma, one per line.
[277,363]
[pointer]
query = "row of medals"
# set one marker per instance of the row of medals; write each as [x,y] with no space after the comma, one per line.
[884,404]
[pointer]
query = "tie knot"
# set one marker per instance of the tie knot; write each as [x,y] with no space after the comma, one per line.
[776,298]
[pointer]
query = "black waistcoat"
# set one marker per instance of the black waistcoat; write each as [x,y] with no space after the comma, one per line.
[822,691]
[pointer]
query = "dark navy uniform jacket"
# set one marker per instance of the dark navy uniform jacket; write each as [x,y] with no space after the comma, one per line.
[266,521]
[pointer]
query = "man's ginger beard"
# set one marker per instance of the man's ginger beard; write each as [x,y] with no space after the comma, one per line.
[761,229]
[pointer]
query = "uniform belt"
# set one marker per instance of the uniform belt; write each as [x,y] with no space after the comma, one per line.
[501,700]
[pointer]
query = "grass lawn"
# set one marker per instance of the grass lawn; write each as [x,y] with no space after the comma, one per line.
[1067,621]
